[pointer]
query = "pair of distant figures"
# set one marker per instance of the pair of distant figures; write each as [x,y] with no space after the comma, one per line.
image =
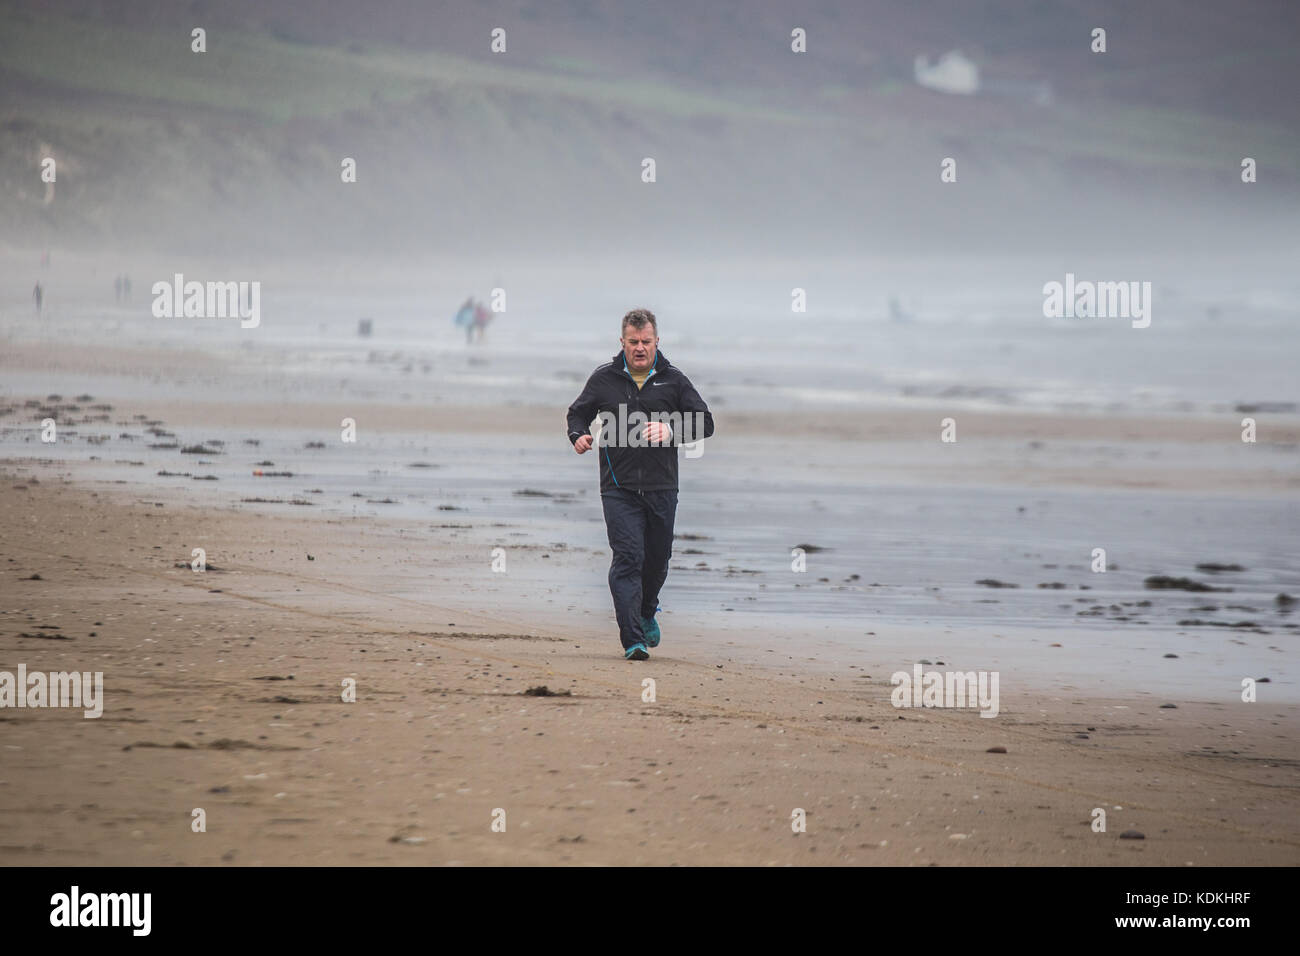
[474,317]
[122,288]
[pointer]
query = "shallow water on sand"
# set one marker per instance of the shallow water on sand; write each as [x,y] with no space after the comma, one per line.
[879,551]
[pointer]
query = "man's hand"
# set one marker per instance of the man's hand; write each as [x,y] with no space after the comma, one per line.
[582,444]
[658,432]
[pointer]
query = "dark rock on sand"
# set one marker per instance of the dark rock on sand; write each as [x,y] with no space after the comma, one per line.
[1163,582]
[1280,408]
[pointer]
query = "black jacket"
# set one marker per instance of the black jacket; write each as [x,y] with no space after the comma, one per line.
[666,390]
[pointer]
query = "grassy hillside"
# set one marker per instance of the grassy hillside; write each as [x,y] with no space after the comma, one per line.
[459,150]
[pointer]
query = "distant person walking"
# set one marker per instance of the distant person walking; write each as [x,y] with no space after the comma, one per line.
[475,317]
[38,296]
[481,319]
[638,468]
[465,317]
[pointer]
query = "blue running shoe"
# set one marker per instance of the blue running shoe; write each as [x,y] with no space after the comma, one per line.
[650,628]
[636,652]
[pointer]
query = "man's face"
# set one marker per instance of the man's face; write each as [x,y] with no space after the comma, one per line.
[639,346]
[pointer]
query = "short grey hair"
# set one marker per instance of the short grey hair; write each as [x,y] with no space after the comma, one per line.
[639,319]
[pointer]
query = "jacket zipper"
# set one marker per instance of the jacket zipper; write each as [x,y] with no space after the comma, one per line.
[637,399]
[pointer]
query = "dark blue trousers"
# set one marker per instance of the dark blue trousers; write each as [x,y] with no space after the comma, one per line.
[640,529]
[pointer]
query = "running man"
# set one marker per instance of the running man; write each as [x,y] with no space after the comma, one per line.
[647,408]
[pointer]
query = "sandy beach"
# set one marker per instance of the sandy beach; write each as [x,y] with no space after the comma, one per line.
[223,693]
[224,689]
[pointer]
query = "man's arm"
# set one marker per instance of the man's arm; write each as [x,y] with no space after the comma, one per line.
[690,403]
[583,410]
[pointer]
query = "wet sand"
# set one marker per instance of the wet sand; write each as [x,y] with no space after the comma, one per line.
[223,689]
